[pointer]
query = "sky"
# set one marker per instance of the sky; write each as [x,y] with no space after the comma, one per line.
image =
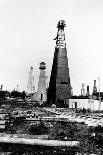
[27,30]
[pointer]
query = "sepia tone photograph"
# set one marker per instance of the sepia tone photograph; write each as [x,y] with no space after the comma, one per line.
[51,77]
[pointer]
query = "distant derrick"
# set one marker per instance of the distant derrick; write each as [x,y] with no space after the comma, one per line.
[94,87]
[88,93]
[59,87]
[83,90]
[1,87]
[30,86]
[17,88]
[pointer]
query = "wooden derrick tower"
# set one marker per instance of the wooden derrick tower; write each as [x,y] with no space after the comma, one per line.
[41,91]
[59,90]
[30,86]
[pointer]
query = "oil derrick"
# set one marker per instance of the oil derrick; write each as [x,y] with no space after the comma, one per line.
[88,93]
[94,88]
[30,86]
[83,90]
[17,88]
[1,87]
[41,91]
[59,90]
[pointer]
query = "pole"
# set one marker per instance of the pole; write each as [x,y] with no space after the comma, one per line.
[99,92]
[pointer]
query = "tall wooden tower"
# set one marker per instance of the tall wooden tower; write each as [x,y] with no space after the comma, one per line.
[30,86]
[59,90]
[41,91]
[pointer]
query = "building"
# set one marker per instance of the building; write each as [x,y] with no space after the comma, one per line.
[86,104]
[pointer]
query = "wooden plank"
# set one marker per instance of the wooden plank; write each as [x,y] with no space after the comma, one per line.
[28,141]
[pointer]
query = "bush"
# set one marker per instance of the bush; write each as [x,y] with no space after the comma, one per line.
[38,129]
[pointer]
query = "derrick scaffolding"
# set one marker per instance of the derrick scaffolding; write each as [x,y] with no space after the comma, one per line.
[30,86]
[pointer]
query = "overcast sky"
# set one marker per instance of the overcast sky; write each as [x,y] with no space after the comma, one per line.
[27,30]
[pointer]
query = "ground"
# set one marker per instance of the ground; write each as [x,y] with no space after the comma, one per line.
[90,138]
